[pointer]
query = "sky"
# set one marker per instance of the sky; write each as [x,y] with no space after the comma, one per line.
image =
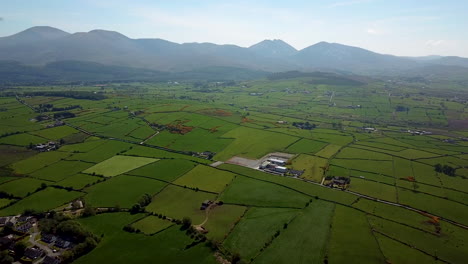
[398,27]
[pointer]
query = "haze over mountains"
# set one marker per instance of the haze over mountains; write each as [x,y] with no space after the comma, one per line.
[44,45]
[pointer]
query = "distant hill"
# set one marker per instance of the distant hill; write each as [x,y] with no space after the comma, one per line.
[12,72]
[273,48]
[41,46]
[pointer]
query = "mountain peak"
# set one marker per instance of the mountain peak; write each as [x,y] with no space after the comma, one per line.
[38,33]
[273,48]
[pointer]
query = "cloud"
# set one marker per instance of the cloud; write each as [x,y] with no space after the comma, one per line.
[348,3]
[372,31]
[434,43]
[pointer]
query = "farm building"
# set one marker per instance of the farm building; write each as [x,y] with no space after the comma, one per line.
[205,204]
[277,161]
[281,169]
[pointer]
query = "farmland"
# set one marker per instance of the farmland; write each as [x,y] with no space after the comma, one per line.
[144,169]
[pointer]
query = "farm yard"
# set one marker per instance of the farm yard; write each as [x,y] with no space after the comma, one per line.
[167,173]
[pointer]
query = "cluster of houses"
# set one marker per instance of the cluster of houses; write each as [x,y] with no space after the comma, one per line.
[49,146]
[369,129]
[419,132]
[56,124]
[21,229]
[338,182]
[354,106]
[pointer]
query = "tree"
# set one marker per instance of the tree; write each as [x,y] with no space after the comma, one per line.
[235,258]
[136,208]
[19,248]
[186,222]
[88,211]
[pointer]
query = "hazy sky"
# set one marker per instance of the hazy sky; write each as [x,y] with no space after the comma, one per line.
[399,27]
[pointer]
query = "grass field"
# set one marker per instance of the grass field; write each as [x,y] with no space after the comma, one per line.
[221,219]
[288,247]
[38,161]
[306,146]
[55,133]
[152,224]
[328,151]
[44,200]
[206,178]
[252,143]
[178,202]
[122,190]
[21,187]
[10,154]
[78,181]
[348,224]
[60,170]
[118,165]
[165,247]
[312,166]
[246,191]
[256,228]
[166,169]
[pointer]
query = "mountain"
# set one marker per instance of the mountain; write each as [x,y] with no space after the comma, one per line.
[40,46]
[324,55]
[273,49]
[451,61]
[34,34]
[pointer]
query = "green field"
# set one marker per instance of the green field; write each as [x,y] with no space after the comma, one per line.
[151,225]
[313,166]
[256,228]
[122,190]
[177,202]
[111,163]
[205,178]
[246,191]
[347,224]
[118,165]
[288,247]
[165,170]
[44,200]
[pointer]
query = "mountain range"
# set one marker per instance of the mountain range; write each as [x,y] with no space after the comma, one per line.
[41,46]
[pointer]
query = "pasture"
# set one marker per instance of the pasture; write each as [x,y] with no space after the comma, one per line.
[118,165]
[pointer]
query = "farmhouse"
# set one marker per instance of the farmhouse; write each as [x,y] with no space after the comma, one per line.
[62,243]
[205,204]
[48,238]
[3,220]
[24,228]
[49,146]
